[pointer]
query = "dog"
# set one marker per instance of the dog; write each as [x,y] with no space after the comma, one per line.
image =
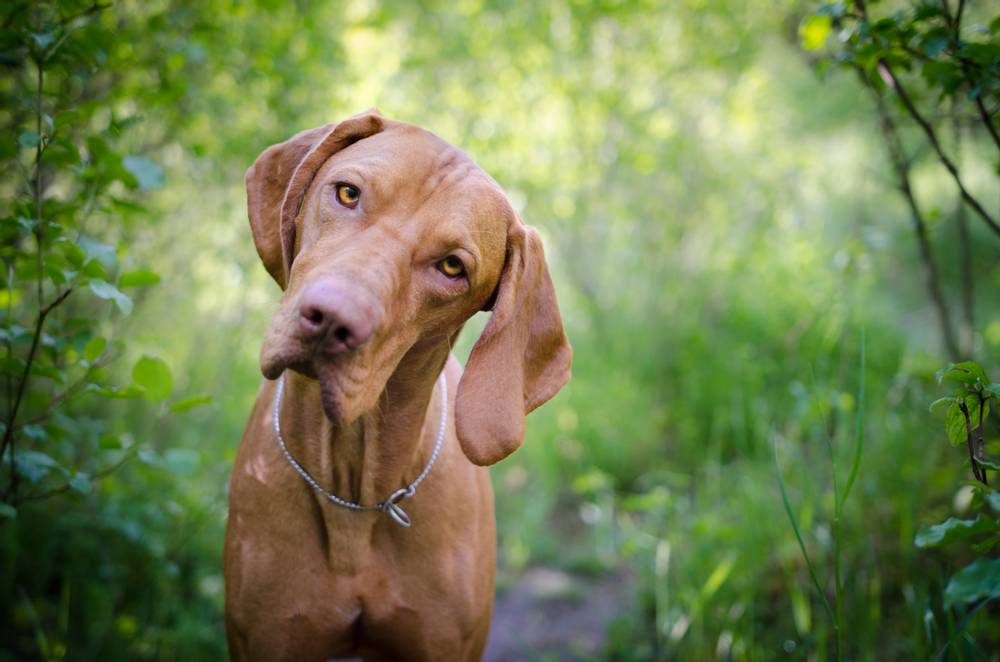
[361,515]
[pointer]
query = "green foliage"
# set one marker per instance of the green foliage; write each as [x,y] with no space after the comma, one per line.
[979,580]
[79,181]
[720,223]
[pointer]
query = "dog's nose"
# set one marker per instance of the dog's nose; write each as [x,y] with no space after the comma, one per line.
[330,313]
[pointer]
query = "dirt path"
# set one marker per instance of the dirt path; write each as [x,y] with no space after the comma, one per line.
[549,614]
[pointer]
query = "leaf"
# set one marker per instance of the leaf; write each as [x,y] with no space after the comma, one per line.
[138,278]
[832,9]
[28,139]
[993,498]
[989,464]
[94,348]
[147,173]
[942,401]
[182,460]
[980,579]
[119,393]
[35,465]
[106,290]
[191,403]
[954,529]
[994,389]
[7,511]
[935,41]
[110,442]
[955,426]
[81,483]
[955,422]
[43,39]
[153,376]
[96,250]
[966,372]
[814,30]
[53,373]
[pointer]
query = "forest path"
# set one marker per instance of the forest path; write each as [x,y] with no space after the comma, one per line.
[553,615]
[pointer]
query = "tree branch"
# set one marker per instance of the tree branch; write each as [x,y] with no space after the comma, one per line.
[66,487]
[892,81]
[23,382]
[902,167]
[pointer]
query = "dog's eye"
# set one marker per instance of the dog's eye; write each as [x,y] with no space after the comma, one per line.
[451,267]
[348,195]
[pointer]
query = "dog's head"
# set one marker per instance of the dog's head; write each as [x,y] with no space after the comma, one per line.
[386,239]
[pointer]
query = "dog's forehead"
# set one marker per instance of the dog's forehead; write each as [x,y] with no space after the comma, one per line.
[407,164]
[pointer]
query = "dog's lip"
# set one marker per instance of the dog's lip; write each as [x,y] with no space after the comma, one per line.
[321,370]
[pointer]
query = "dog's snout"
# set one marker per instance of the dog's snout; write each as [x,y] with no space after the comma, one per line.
[331,314]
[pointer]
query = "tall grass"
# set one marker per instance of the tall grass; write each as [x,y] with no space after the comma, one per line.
[834,611]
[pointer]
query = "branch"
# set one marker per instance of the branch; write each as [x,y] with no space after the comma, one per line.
[23,382]
[985,116]
[66,487]
[901,165]
[890,78]
[969,441]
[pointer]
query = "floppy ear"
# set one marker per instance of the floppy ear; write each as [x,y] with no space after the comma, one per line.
[278,180]
[520,361]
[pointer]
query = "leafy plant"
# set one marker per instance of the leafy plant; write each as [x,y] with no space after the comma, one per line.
[835,609]
[968,410]
[942,73]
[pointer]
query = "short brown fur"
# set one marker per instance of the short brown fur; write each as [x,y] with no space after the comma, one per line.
[309,580]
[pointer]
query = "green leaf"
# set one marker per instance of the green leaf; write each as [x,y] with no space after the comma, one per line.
[110,442]
[989,464]
[153,376]
[94,348]
[955,426]
[980,579]
[43,39]
[138,278]
[954,529]
[7,511]
[28,139]
[966,372]
[119,393]
[993,498]
[955,422]
[994,389]
[35,465]
[53,373]
[106,290]
[942,401]
[191,403]
[182,460]
[81,483]
[147,173]
[935,41]
[814,30]
[96,250]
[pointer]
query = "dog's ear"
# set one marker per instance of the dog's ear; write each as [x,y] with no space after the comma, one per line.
[520,361]
[278,180]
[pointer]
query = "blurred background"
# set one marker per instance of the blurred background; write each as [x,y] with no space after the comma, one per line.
[735,198]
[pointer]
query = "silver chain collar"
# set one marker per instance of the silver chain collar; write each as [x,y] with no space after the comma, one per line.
[391,505]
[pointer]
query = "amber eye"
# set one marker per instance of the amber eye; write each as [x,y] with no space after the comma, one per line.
[348,195]
[451,267]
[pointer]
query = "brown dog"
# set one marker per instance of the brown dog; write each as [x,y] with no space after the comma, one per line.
[385,240]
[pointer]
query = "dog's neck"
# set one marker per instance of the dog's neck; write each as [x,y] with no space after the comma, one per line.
[384,449]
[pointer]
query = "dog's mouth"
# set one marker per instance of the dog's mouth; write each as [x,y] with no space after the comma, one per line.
[329,372]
